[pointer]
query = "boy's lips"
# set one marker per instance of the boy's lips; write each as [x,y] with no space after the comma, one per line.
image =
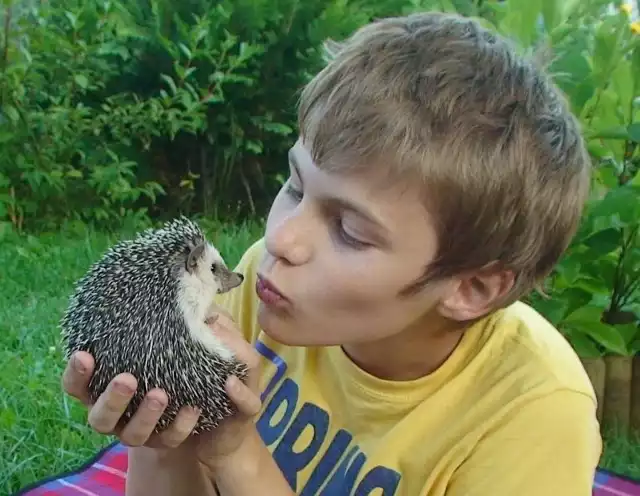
[269,293]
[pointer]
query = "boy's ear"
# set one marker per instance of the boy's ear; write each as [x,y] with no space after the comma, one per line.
[475,294]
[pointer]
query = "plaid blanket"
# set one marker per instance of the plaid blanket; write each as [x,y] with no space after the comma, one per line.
[105,475]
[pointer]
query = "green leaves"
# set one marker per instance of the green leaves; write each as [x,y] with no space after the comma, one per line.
[633,131]
[605,241]
[81,80]
[587,320]
[520,19]
[110,104]
[604,50]
[620,206]
[583,345]
[11,113]
[596,276]
[62,147]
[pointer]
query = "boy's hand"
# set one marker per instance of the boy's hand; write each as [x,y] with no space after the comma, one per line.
[229,436]
[104,415]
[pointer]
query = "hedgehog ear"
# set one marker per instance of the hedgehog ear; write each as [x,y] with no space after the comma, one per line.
[193,257]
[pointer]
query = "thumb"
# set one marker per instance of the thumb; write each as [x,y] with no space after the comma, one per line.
[76,376]
[228,332]
[244,396]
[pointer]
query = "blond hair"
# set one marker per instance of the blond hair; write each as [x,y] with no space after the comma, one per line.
[438,98]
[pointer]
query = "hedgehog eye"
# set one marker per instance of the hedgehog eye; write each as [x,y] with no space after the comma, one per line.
[214,268]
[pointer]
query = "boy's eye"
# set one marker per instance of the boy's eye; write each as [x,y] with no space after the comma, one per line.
[343,236]
[294,193]
[347,238]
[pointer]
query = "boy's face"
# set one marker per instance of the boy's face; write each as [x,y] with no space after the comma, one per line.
[341,250]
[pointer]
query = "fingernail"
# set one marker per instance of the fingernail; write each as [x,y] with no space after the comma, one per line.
[155,405]
[80,368]
[123,388]
[234,384]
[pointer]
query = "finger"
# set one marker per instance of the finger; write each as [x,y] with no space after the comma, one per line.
[243,351]
[141,425]
[215,311]
[111,404]
[76,376]
[247,402]
[228,333]
[226,330]
[224,321]
[180,429]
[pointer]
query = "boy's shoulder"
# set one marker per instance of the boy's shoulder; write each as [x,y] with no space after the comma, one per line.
[530,343]
[534,390]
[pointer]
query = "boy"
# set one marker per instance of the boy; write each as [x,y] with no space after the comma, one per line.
[437,178]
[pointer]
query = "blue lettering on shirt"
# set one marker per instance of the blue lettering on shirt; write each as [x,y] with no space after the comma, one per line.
[341,462]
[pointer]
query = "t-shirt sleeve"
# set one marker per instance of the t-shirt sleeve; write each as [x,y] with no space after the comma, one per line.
[241,302]
[550,446]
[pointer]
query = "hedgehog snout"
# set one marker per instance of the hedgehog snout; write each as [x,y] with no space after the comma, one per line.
[229,280]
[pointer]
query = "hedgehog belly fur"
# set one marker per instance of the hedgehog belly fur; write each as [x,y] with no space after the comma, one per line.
[194,300]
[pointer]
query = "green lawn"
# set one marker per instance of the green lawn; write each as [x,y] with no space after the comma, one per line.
[42,432]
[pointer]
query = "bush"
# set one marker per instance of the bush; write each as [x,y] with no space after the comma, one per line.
[119,109]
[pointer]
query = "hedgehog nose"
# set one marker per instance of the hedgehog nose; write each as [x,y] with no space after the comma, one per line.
[240,276]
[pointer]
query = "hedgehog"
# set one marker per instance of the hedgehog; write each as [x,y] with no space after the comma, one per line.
[143,308]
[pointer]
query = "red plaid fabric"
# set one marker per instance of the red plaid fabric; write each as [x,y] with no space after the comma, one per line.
[105,475]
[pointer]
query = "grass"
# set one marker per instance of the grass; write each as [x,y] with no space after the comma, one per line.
[621,453]
[42,431]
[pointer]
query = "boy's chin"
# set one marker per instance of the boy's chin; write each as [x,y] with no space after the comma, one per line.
[284,330]
[273,324]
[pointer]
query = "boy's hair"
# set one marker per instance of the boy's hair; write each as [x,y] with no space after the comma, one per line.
[437,98]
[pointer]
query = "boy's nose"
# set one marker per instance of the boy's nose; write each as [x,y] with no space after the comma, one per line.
[288,242]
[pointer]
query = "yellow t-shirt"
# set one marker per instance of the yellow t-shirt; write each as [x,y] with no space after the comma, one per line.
[512,413]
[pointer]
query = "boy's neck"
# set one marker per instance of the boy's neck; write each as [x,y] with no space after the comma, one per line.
[409,355]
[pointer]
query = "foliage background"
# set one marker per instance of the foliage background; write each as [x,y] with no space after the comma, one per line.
[116,114]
